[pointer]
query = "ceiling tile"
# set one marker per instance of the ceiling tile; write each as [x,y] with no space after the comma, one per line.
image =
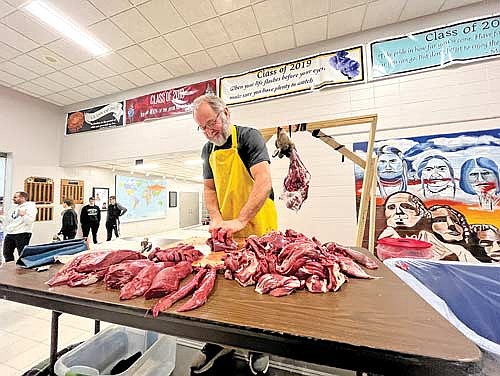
[120,82]
[16,40]
[137,2]
[210,33]
[8,79]
[8,52]
[63,79]
[302,9]
[419,8]
[382,12]
[69,50]
[117,63]
[97,68]
[5,8]
[81,12]
[104,87]
[33,88]
[310,31]
[157,72]
[30,27]
[89,91]
[194,11]
[223,55]
[135,25]
[224,6]
[50,58]
[240,24]
[157,11]
[178,67]
[250,47]
[74,95]
[183,41]
[48,84]
[15,3]
[25,91]
[58,99]
[32,64]
[80,74]
[346,21]
[337,5]
[17,70]
[199,61]
[137,56]
[279,40]
[111,35]
[110,7]
[159,49]
[138,77]
[450,4]
[273,14]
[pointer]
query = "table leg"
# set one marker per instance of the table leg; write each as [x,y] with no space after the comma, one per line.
[54,331]
[97,326]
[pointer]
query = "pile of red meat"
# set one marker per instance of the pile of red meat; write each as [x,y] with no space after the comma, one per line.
[157,276]
[278,264]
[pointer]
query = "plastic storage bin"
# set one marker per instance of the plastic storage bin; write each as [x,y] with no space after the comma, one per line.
[403,247]
[104,350]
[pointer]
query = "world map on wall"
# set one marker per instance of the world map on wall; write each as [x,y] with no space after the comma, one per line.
[143,198]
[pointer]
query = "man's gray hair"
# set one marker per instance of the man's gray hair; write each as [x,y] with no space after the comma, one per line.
[213,101]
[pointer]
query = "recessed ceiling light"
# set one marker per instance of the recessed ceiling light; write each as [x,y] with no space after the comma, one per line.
[51,59]
[57,20]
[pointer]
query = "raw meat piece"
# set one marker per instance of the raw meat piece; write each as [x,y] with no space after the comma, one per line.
[335,277]
[317,284]
[180,252]
[296,183]
[200,296]
[120,274]
[141,282]
[349,267]
[68,272]
[217,246]
[167,280]
[168,301]
[359,257]
[269,282]
[99,260]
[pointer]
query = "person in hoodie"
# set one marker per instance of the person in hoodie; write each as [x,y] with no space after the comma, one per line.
[115,211]
[90,218]
[18,225]
[69,220]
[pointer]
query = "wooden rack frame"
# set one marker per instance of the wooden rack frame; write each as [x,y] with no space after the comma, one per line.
[368,191]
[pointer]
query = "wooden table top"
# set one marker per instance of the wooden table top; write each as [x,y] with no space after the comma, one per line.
[373,325]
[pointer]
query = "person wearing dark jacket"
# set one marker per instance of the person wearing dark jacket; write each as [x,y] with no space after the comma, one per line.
[69,220]
[90,217]
[115,211]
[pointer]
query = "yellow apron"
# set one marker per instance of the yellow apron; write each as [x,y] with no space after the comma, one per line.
[233,185]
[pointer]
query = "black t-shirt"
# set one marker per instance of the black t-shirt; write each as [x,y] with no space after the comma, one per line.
[251,149]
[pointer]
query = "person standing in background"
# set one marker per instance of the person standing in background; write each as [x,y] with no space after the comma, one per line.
[90,218]
[69,220]
[115,211]
[18,225]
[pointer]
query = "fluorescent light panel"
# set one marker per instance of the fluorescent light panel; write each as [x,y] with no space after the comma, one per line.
[145,166]
[63,25]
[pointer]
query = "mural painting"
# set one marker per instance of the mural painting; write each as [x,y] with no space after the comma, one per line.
[441,189]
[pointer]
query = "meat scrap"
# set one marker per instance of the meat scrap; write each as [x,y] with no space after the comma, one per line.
[180,252]
[296,183]
[141,282]
[200,296]
[167,280]
[217,246]
[122,273]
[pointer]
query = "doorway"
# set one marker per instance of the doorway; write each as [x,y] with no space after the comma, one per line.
[189,209]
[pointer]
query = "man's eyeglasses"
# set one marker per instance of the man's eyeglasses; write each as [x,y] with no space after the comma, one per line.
[210,125]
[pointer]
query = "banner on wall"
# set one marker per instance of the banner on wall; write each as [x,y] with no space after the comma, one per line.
[166,103]
[443,189]
[297,76]
[95,118]
[434,48]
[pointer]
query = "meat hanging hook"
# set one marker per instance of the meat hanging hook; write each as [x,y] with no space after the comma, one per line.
[283,143]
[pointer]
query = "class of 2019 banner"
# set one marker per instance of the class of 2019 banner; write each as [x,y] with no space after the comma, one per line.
[95,118]
[166,102]
[435,48]
[302,75]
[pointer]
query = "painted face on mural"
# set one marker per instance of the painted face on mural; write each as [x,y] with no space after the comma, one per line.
[436,175]
[389,166]
[489,238]
[482,180]
[446,224]
[400,211]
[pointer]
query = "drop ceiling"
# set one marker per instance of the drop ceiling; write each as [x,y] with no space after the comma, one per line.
[156,40]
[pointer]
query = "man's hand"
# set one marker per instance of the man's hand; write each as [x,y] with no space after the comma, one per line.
[21,212]
[224,230]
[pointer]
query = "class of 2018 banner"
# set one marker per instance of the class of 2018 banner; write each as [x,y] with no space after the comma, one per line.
[95,118]
[166,102]
[298,76]
[434,48]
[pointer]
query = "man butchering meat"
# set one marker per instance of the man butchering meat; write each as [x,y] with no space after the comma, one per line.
[238,193]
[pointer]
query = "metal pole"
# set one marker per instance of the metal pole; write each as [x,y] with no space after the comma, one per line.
[54,331]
